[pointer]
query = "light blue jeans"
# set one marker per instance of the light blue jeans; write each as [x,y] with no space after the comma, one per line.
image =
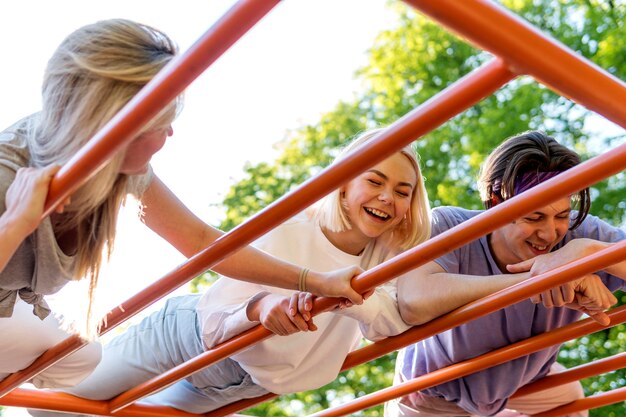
[160,342]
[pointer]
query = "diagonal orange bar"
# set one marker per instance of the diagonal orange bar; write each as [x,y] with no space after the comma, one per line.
[473,310]
[581,176]
[164,88]
[577,373]
[487,360]
[595,401]
[169,377]
[47,359]
[528,51]
[454,99]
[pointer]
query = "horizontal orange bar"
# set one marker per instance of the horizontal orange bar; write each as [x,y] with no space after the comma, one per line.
[469,312]
[48,400]
[47,359]
[594,401]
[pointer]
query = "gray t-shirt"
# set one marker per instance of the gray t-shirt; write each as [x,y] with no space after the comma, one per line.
[487,391]
[39,266]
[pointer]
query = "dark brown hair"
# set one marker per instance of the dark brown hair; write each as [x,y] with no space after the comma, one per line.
[527,152]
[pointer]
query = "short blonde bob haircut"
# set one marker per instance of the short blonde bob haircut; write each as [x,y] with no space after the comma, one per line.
[331,215]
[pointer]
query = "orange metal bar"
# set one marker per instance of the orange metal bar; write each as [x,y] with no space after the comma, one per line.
[454,99]
[55,401]
[201,361]
[496,357]
[47,359]
[164,88]
[595,401]
[471,311]
[575,374]
[528,51]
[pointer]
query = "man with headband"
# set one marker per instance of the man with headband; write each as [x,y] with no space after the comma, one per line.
[537,242]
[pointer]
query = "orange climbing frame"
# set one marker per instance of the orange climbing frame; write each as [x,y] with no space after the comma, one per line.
[520,50]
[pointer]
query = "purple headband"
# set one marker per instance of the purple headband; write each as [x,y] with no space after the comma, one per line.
[528,180]
[522,183]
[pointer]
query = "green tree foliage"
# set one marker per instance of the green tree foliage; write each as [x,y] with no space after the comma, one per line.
[409,64]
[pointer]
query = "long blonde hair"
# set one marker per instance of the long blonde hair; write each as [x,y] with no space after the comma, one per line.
[331,214]
[93,73]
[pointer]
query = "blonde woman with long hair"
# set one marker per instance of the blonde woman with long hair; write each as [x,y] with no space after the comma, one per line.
[93,73]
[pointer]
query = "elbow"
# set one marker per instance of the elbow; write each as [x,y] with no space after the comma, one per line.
[413,313]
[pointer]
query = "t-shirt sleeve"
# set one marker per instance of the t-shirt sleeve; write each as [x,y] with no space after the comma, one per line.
[443,219]
[378,316]
[7,176]
[12,158]
[597,229]
[222,310]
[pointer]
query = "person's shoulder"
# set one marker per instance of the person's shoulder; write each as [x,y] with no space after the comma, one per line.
[302,220]
[452,214]
[595,228]
[14,151]
[300,225]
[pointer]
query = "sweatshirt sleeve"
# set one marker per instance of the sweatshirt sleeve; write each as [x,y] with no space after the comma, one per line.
[378,316]
[222,310]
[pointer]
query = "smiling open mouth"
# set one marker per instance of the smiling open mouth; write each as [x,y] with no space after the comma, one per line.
[537,247]
[381,215]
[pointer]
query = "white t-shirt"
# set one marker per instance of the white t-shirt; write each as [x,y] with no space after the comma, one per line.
[305,360]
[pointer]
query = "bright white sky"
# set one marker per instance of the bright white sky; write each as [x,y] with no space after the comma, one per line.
[294,65]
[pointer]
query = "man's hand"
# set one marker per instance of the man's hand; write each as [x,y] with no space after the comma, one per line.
[587,294]
[593,298]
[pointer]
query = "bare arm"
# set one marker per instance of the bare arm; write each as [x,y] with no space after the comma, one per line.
[166,215]
[428,291]
[11,236]
[573,250]
[25,200]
